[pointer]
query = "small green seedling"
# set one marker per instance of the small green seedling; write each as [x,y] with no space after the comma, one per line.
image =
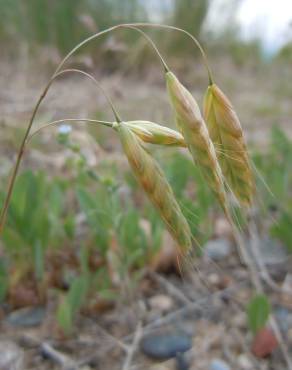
[258,311]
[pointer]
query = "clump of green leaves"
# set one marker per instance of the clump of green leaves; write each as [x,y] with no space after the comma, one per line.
[34,220]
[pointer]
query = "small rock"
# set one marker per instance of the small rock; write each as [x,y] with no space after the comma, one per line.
[11,356]
[27,317]
[213,279]
[161,302]
[218,364]
[244,362]
[219,281]
[264,343]
[217,249]
[272,252]
[165,346]
[284,318]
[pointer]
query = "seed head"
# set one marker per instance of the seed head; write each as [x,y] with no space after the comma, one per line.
[153,181]
[195,133]
[153,133]
[227,135]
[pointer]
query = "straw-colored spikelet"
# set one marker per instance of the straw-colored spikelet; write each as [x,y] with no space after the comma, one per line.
[227,135]
[195,133]
[153,133]
[156,186]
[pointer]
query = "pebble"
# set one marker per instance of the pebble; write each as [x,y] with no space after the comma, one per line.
[218,364]
[11,356]
[272,252]
[217,249]
[244,362]
[166,345]
[161,302]
[213,279]
[27,317]
[284,318]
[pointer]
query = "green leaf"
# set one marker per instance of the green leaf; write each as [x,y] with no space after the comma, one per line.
[77,293]
[39,263]
[3,280]
[65,317]
[258,312]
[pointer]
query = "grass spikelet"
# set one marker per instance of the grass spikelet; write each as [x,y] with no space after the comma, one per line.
[156,186]
[227,135]
[195,133]
[154,133]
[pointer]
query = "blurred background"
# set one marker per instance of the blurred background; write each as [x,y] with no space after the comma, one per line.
[81,237]
[243,41]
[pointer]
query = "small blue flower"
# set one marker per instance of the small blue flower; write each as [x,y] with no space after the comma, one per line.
[64,129]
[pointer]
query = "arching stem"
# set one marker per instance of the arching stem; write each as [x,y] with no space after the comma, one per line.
[64,120]
[165,66]
[165,26]
[94,80]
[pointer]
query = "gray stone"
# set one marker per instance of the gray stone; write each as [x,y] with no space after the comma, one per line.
[11,356]
[27,317]
[218,364]
[166,345]
[217,249]
[284,318]
[272,252]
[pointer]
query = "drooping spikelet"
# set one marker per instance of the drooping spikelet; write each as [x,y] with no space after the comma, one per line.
[227,135]
[153,133]
[156,186]
[195,133]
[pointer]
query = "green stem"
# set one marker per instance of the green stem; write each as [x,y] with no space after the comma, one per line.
[64,120]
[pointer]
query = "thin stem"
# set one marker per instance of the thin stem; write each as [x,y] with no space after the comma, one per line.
[19,156]
[82,43]
[115,112]
[77,120]
[199,46]
[166,68]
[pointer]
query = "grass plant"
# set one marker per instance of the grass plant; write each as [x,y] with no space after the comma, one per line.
[232,170]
